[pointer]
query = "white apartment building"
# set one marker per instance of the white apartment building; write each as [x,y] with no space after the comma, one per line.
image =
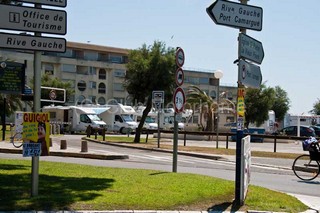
[97,73]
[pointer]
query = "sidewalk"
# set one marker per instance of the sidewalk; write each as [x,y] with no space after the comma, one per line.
[312,202]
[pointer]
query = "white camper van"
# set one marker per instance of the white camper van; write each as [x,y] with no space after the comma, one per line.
[74,118]
[118,117]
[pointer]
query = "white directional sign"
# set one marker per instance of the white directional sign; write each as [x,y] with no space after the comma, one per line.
[236,15]
[179,100]
[33,19]
[57,3]
[249,74]
[250,49]
[27,42]
[158,97]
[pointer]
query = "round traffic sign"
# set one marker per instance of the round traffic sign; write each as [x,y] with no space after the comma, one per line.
[179,99]
[179,76]
[179,57]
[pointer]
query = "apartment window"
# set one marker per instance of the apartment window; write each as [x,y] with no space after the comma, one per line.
[191,80]
[92,71]
[213,94]
[92,99]
[102,88]
[92,85]
[78,54]
[118,87]
[49,69]
[92,56]
[102,101]
[119,100]
[82,70]
[116,59]
[204,81]
[102,74]
[81,99]
[82,85]
[119,73]
[68,68]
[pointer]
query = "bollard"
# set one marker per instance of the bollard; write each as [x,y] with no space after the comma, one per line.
[63,144]
[84,146]
[50,142]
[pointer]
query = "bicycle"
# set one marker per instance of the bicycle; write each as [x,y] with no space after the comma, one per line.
[307,167]
[16,140]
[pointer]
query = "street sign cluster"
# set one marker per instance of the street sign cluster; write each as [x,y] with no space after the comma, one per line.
[32,19]
[179,98]
[242,16]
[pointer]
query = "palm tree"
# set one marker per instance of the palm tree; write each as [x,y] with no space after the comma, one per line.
[202,101]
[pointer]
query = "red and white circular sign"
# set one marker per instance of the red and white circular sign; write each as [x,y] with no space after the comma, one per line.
[179,57]
[179,99]
[179,76]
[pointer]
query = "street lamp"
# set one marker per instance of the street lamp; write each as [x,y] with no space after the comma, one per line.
[218,74]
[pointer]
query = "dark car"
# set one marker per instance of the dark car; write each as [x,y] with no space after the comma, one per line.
[316,129]
[292,131]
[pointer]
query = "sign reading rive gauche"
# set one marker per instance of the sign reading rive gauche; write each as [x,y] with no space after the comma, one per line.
[236,15]
[37,43]
[33,19]
[58,3]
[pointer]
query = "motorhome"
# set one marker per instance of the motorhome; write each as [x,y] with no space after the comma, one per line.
[74,118]
[118,117]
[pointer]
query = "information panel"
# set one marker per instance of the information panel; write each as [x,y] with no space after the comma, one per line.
[12,77]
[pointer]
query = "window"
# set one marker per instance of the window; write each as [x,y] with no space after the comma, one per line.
[119,73]
[118,87]
[115,59]
[68,68]
[92,85]
[102,101]
[93,56]
[213,94]
[82,85]
[102,88]
[81,99]
[83,70]
[92,71]
[84,118]
[191,80]
[49,69]
[102,74]
[204,81]
[92,99]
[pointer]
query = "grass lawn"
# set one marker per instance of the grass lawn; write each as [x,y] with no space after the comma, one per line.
[79,187]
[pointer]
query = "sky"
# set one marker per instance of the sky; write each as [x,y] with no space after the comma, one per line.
[290,37]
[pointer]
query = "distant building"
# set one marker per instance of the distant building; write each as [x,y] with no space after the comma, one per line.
[97,74]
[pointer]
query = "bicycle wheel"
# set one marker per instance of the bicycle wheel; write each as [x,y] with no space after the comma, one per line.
[16,140]
[304,168]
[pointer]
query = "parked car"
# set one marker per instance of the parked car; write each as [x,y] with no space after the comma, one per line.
[316,129]
[292,131]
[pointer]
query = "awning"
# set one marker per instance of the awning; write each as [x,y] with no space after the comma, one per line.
[100,110]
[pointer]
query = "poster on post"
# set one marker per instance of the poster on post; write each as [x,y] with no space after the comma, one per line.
[36,129]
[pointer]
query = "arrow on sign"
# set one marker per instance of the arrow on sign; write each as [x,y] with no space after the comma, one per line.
[249,74]
[236,15]
[250,48]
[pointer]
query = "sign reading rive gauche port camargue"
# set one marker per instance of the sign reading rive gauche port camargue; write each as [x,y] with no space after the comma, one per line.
[33,19]
[27,42]
[250,48]
[236,15]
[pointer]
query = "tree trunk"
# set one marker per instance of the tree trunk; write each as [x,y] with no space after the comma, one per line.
[143,118]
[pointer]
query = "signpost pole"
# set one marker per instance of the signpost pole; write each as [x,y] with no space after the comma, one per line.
[36,108]
[238,196]
[175,144]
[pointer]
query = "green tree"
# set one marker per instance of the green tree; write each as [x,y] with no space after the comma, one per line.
[281,103]
[198,99]
[149,68]
[258,102]
[316,108]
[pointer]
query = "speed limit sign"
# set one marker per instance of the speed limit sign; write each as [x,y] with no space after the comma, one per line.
[179,100]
